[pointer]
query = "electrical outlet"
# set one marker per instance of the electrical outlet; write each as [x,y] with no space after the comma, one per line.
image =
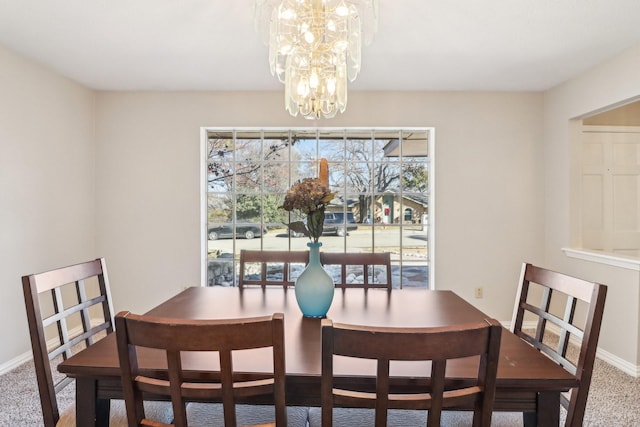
[478,292]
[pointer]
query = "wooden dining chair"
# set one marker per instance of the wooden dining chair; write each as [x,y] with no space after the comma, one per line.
[68,309]
[439,345]
[360,270]
[272,268]
[568,310]
[176,337]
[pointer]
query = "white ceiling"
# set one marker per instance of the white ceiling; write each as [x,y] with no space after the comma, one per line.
[420,44]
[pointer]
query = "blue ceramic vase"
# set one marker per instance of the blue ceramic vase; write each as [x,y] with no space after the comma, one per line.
[314,287]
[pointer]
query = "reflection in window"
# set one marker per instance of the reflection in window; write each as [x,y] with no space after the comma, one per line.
[380,178]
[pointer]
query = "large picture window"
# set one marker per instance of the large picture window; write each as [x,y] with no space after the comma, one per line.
[381,178]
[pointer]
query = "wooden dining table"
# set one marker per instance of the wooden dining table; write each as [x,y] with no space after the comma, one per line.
[527,380]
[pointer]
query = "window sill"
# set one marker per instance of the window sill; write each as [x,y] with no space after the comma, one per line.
[603,258]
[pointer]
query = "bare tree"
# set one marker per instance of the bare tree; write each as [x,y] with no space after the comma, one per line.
[245,165]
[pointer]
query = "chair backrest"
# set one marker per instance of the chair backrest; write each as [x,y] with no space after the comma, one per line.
[360,270]
[572,326]
[437,345]
[67,309]
[264,268]
[175,336]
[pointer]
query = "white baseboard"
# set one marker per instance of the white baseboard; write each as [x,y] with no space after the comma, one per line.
[615,361]
[15,362]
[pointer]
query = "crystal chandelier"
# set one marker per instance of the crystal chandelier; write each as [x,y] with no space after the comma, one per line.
[314,47]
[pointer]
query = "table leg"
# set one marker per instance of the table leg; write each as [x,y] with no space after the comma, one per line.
[548,412]
[90,411]
[529,419]
[103,410]
[85,402]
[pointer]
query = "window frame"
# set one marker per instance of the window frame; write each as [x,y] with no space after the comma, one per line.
[429,226]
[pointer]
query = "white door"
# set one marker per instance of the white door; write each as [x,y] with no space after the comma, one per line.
[611,189]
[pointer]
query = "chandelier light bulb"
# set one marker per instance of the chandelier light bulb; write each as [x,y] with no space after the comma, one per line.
[331,85]
[303,89]
[342,10]
[313,79]
[286,13]
[309,37]
[315,49]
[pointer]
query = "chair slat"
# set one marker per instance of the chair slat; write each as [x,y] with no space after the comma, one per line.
[545,315]
[50,320]
[365,262]
[283,259]
[71,343]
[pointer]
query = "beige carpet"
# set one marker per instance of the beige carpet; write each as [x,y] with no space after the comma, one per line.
[613,400]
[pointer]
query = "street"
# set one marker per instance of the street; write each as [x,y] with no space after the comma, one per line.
[385,238]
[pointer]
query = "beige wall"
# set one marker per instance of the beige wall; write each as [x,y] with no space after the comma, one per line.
[612,82]
[488,183]
[47,184]
[502,184]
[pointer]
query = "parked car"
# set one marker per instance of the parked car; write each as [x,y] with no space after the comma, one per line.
[224,231]
[334,223]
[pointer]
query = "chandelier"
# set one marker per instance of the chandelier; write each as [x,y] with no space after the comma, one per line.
[314,48]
